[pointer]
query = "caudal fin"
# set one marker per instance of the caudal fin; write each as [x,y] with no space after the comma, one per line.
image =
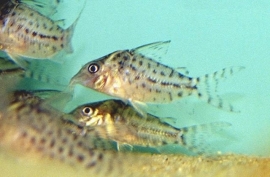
[207,87]
[69,33]
[196,138]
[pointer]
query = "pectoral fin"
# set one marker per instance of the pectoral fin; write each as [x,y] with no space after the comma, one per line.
[139,106]
[124,147]
[18,60]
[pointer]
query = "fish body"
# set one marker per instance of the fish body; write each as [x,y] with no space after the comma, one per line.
[25,32]
[151,131]
[135,75]
[29,125]
[34,141]
[33,129]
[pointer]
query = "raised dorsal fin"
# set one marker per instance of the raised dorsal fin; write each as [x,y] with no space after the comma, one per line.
[155,50]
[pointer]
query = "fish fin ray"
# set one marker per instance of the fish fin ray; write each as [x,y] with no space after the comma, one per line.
[169,120]
[47,8]
[194,138]
[59,100]
[36,71]
[154,50]
[60,22]
[58,58]
[139,106]
[45,94]
[124,147]
[8,68]
[69,33]
[6,63]
[207,88]
[19,60]
[182,70]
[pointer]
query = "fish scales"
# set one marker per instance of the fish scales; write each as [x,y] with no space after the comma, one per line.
[135,76]
[27,33]
[151,131]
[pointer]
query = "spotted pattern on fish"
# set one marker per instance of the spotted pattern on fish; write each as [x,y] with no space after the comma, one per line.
[44,136]
[134,76]
[36,126]
[151,131]
[27,33]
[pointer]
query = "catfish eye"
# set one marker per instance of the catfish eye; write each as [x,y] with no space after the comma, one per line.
[87,111]
[93,68]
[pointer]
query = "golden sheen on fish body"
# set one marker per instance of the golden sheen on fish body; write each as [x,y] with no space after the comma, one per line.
[134,75]
[152,131]
[25,32]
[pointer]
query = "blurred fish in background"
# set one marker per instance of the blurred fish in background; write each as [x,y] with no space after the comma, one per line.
[9,68]
[26,33]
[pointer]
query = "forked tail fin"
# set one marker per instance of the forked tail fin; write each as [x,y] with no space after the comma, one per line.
[69,33]
[207,87]
[196,138]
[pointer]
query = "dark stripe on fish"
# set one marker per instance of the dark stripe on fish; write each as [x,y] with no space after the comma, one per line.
[171,74]
[170,96]
[170,84]
[162,73]
[9,71]
[152,80]
[181,75]
[133,67]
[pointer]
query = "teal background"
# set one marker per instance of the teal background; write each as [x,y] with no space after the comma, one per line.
[206,36]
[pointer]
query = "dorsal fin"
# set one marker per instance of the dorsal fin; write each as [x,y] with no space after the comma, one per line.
[46,8]
[155,50]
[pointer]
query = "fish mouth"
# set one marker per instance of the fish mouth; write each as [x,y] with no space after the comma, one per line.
[96,82]
[77,79]
[73,81]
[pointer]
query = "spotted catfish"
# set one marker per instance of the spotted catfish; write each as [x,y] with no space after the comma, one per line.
[29,127]
[24,32]
[36,138]
[135,76]
[149,132]
[42,145]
